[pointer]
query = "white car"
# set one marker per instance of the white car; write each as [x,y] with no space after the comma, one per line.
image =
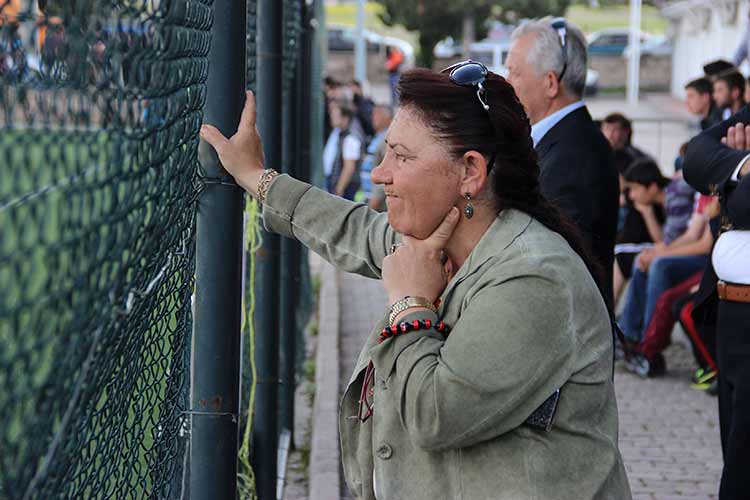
[614,42]
[446,48]
[342,38]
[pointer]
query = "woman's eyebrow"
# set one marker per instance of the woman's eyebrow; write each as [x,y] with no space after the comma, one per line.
[393,145]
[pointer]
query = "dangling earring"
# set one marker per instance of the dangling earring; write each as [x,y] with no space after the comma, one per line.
[468,208]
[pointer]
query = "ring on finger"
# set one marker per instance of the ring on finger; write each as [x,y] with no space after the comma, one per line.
[395,247]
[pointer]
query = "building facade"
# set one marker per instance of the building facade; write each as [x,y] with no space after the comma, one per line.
[703,31]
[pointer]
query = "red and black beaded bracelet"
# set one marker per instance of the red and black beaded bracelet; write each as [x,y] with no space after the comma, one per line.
[404,327]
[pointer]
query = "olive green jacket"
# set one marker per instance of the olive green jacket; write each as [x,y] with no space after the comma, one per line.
[448,417]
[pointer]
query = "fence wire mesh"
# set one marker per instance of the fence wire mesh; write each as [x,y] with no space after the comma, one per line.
[100,107]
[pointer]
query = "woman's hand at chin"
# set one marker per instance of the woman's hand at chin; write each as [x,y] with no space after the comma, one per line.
[416,268]
[242,154]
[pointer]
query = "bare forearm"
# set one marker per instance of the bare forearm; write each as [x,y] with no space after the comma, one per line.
[701,246]
[692,234]
[684,239]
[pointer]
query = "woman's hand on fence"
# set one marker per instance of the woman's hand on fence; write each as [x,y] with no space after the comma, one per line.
[242,154]
[416,267]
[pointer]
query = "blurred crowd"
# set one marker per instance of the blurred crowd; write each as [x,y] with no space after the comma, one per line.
[355,129]
[652,235]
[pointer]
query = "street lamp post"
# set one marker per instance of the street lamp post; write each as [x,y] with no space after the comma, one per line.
[634,54]
[360,49]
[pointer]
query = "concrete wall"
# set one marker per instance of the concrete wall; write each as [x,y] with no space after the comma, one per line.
[703,31]
[655,73]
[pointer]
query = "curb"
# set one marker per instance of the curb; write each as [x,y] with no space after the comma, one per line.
[324,471]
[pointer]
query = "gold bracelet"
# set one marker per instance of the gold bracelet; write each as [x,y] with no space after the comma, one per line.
[407,303]
[266,178]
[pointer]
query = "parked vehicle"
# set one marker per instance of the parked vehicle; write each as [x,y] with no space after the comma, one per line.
[614,42]
[446,48]
[342,39]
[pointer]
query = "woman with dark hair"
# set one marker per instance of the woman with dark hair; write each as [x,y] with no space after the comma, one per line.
[644,217]
[491,375]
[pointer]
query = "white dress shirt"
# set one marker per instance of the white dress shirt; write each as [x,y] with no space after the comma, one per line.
[731,255]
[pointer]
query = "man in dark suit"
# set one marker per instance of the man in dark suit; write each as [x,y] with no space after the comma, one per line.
[547,68]
[717,162]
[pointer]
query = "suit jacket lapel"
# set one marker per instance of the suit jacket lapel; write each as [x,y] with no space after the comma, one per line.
[554,134]
[546,144]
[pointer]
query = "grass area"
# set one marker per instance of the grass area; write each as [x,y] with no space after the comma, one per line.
[346,14]
[588,19]
[615,16]
[58,210]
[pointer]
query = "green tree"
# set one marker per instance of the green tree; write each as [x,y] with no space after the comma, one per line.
[428,17]
[437,19]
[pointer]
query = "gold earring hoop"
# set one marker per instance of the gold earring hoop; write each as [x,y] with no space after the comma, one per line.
[468,208]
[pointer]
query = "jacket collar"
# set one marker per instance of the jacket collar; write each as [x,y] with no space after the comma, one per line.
[554,135]
[506,227]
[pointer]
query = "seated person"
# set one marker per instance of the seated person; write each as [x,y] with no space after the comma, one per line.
[618,130]
[660,268]
[648,360]
[676,304]
[679,202]
[644,218]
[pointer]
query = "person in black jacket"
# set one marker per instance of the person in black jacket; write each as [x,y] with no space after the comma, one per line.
[700,102]
[716,161]
[547,68]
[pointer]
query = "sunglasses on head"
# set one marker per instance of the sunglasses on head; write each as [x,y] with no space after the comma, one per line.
[469,74]
[561,27]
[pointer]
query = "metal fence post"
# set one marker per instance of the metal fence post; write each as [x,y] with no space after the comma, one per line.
[216,341]
[265,431]
[303,77]
[290,272]
[317,101]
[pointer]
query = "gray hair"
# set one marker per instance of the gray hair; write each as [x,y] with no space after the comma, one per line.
[546,54]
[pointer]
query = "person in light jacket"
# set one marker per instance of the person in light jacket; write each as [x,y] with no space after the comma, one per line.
[517,401]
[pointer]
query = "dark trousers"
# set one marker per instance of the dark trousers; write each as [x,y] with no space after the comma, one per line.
[349,192]
[733,351]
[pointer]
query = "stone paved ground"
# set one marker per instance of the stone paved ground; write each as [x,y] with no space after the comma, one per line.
[297,482]
[363,303]
[669,434]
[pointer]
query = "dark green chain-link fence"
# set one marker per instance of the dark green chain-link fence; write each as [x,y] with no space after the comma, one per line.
[100,106]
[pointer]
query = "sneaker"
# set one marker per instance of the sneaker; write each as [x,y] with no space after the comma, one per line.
[625,349]
[697,375]
[703,379]
[638,364]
